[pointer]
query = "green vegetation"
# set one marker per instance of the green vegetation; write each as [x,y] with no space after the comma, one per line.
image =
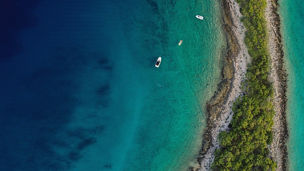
[244,146]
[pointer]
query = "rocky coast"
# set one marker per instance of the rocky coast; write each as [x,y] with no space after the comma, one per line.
[235,62]
[278,77]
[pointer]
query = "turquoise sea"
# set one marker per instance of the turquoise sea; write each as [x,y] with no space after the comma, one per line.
[293,36]
[79,90]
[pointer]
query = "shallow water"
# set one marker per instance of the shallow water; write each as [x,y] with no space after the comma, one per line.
[293,26]
[79,88]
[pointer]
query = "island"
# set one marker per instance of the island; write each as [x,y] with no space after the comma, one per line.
[246,125]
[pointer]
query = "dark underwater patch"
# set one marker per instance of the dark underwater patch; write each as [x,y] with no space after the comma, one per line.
[103,90]
[97,130]
[103,93]
[103,102]
[173,3]
[78,133]
[153,5]
[85,143]
[73,155]
[103,61]
[105,64]
[82,133]
[107,166]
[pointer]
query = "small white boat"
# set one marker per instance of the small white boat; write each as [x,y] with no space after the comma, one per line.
[158,61]
[199,17]
[180,42]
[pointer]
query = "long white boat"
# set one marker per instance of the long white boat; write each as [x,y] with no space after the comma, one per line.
[199,17]
[158,61]
[180,42]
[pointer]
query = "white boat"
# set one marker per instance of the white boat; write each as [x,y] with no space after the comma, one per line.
[180,42]
[158,61]
[199,17]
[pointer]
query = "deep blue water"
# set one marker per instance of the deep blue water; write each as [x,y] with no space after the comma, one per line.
[48,50]
[79,90]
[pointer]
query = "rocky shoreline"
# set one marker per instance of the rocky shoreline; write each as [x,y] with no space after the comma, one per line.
[278,76]
[236,58]
[235,62]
